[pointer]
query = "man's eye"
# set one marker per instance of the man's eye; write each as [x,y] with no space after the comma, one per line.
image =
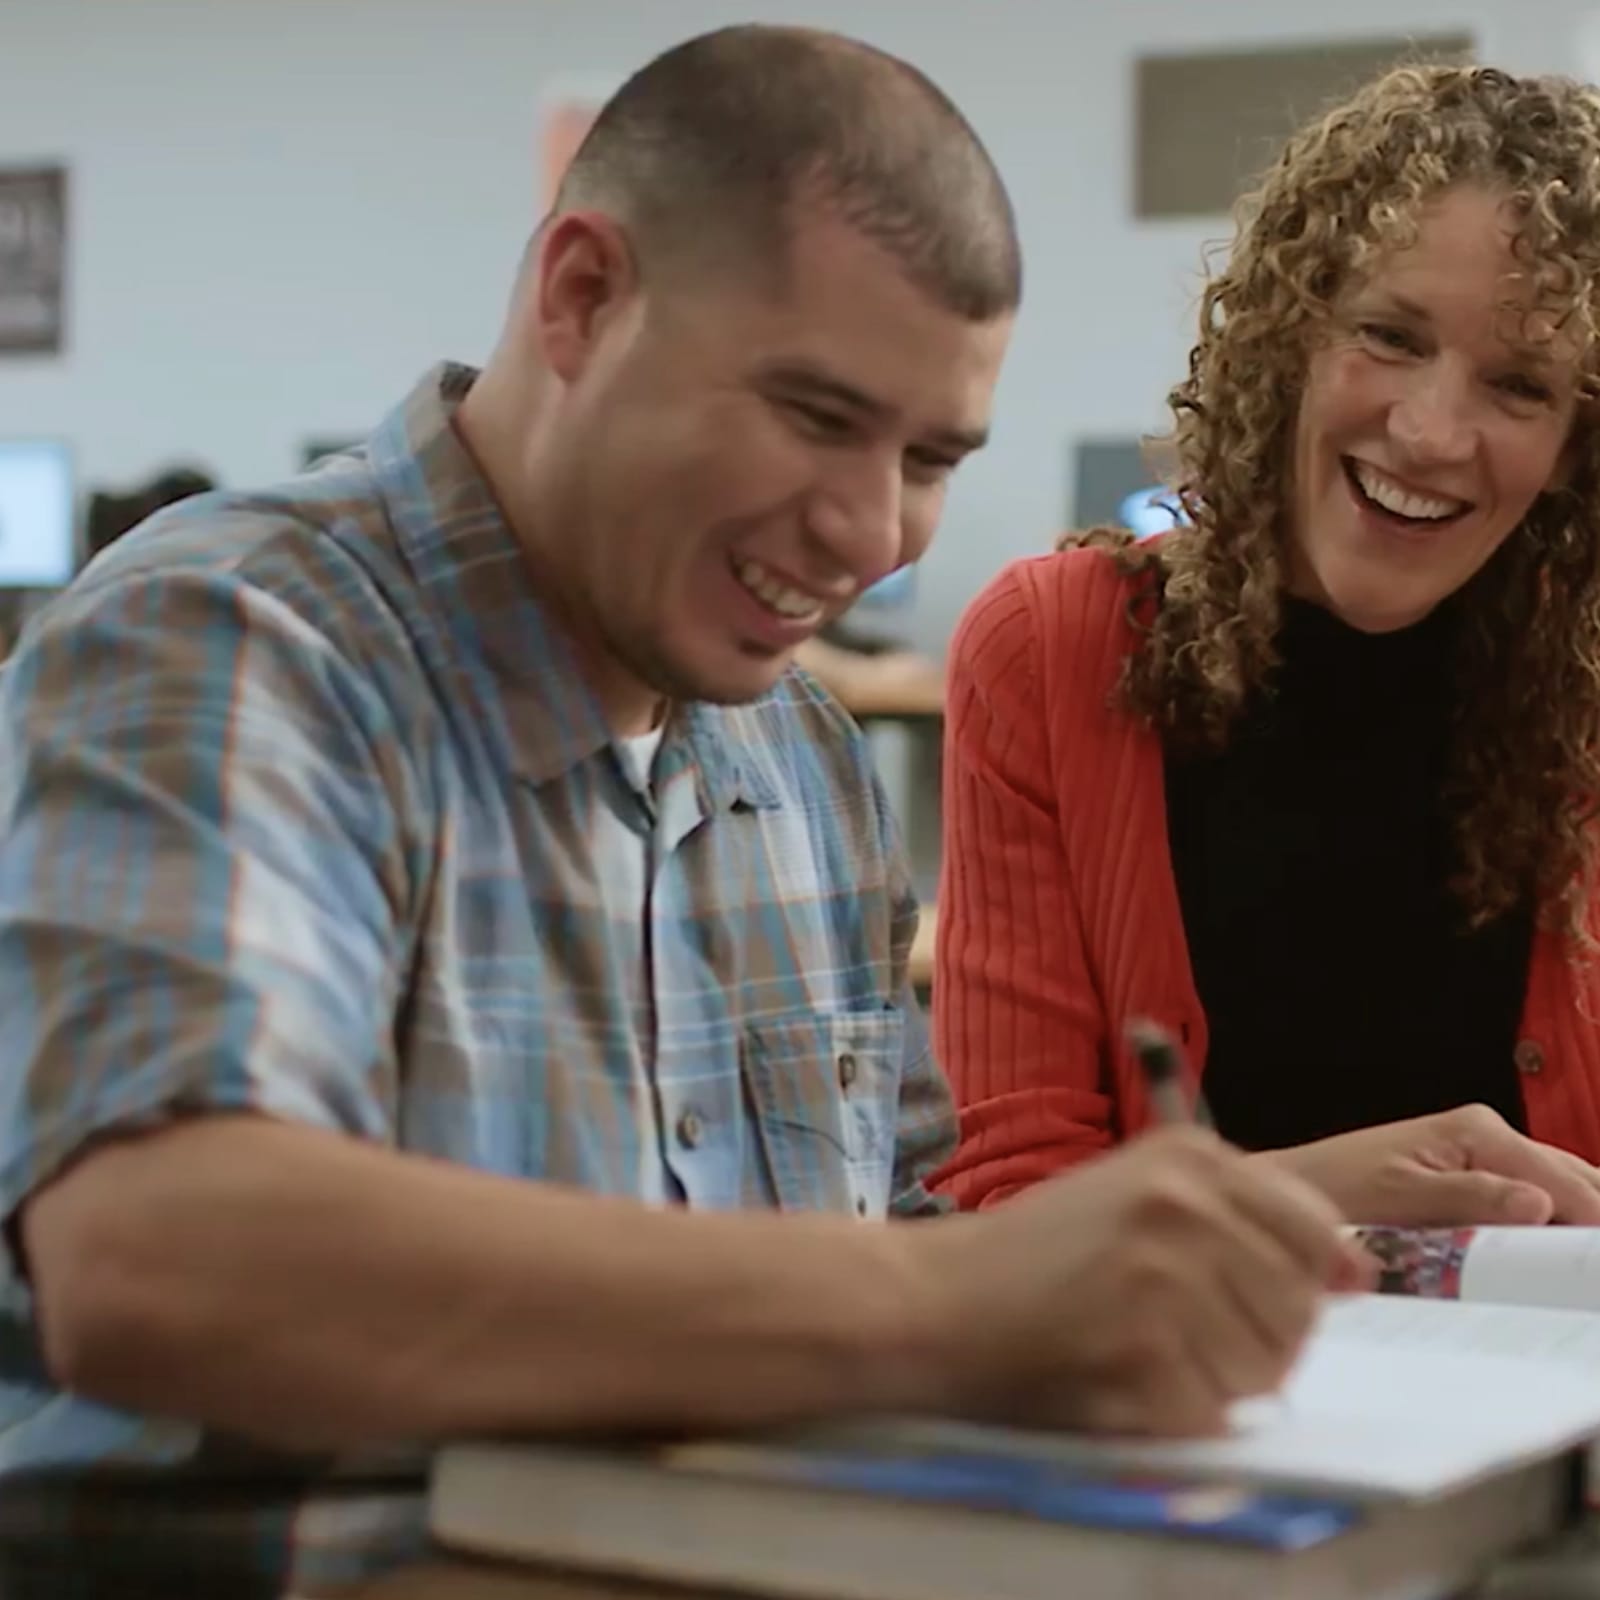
[929,466]
[822,422]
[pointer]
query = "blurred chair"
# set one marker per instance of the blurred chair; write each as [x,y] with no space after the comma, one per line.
[110,515]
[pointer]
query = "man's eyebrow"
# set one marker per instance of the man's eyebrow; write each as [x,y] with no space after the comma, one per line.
[800,378]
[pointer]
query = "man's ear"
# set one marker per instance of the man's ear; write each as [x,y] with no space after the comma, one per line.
[584,275]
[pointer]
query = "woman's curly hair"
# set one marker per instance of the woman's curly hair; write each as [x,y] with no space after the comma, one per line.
[1526,771]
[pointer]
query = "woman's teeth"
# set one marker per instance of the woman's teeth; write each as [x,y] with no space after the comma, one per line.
[1391,497]
[792,604]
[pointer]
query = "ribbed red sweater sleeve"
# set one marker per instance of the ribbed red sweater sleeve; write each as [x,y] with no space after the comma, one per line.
[1017,1025]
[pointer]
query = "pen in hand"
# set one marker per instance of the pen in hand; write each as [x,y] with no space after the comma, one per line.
[1160,1058]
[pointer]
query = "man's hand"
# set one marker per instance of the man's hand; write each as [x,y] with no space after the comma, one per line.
[1463,1166]
[1143,1292]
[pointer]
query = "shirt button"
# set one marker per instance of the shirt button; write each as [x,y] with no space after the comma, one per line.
[1528,1056]
[690,1129]
[847,1070]
[861,1205]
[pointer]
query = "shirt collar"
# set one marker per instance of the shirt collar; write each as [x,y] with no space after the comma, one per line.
[465,560]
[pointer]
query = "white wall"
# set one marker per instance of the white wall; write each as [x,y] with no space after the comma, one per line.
[282,211]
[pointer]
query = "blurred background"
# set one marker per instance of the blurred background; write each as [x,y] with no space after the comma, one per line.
[233,232]
[278,212]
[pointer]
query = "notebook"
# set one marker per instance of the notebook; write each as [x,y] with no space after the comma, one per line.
[1416,1441]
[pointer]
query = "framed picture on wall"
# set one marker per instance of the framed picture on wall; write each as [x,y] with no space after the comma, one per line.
[33,251]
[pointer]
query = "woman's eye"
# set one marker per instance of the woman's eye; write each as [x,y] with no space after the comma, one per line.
[1521,387]
[1388,337]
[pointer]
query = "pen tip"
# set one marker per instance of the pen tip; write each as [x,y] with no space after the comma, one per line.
[1143,1034]
[1154,1046]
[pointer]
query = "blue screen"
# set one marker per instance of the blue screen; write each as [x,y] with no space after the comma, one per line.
[1150,510]
[889,593]
[38,549]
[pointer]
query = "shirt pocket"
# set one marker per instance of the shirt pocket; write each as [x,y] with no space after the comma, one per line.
[824,1089]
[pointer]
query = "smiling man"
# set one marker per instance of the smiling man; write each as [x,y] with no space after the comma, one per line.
[711,441]
[454,969]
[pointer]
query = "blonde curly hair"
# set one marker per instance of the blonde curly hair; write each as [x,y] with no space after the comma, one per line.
[1525,770]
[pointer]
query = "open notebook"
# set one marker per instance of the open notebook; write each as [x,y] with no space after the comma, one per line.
[1433,1435]
[1393,1399]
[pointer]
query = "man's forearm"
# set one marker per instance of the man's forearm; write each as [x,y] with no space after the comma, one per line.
[314,1292]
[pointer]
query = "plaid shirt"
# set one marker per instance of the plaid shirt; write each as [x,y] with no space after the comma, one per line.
[305,808]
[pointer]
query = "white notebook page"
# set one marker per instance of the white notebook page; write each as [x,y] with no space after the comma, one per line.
[1557,1267]
[1393,1397]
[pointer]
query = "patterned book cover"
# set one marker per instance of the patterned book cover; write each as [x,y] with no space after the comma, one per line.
[1038,1489]
[1420,1261]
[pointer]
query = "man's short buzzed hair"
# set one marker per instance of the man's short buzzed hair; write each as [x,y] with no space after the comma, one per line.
[727,140]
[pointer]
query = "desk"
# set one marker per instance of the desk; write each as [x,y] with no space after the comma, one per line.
[454,1578]
[919,704]
[920,964]
[1572,1573]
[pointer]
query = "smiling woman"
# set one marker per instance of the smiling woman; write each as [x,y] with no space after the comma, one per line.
[1311,779]
[1438,407]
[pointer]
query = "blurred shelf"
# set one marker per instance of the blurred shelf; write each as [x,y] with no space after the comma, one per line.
[898,685]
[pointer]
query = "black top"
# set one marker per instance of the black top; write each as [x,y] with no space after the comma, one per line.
[1311,856]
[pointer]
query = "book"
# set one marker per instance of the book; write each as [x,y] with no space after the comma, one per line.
[1555,1267]
[675,1523]
[1416,1442]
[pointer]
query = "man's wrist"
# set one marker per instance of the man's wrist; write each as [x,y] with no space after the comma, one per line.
[920,1344]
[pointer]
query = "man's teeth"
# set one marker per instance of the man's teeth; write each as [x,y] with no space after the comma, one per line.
[1402,502]
[776,596]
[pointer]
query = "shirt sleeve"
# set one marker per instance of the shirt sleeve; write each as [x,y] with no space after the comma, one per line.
[925,1137]
[203,876]
[1017,1015]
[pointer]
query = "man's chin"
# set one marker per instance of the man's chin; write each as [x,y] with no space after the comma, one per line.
[735,683]
[740,692]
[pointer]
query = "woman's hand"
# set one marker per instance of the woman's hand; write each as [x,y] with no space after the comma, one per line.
[1463,1166]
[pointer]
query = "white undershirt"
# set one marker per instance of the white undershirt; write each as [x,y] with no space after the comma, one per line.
[627,852]
[640,751]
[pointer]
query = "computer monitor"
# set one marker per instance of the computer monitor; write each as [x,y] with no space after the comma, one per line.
[38,545]
[1150,510]
[1113,483]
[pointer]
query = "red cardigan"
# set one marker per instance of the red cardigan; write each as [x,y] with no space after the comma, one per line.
[1059,914]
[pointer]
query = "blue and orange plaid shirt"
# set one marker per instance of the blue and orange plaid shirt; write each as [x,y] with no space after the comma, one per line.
[306,810]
